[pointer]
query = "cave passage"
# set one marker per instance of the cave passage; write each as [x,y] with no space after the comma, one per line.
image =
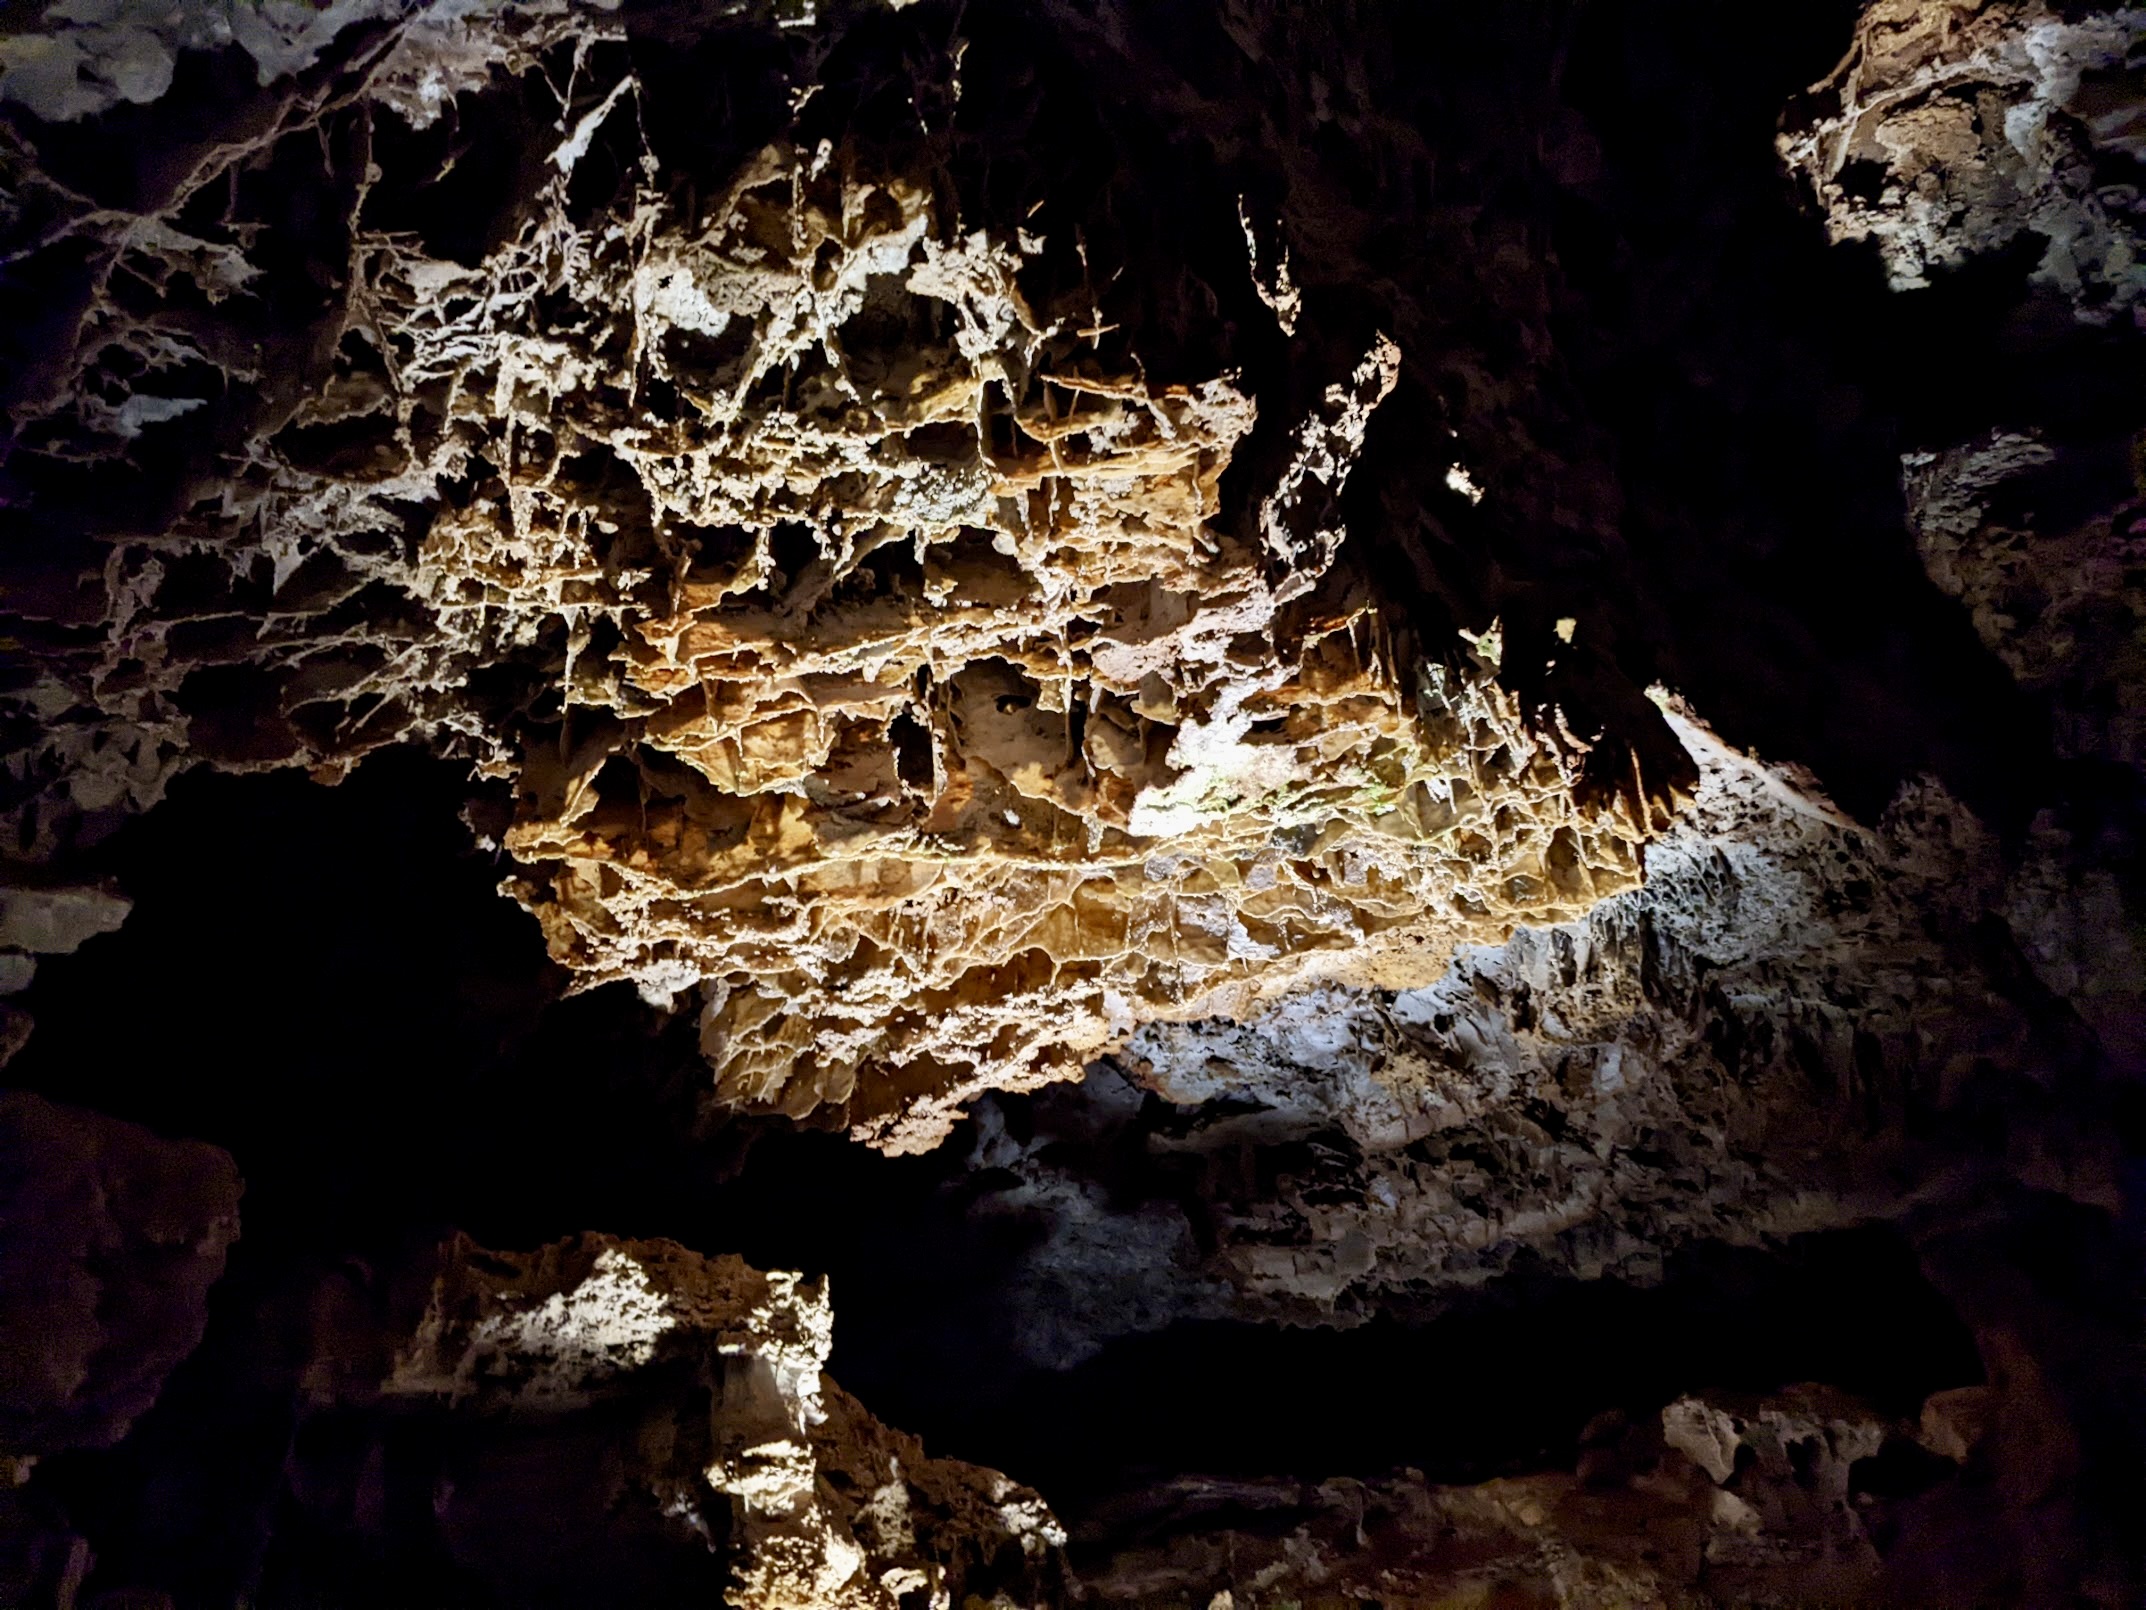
[1494,1387]
[326,982]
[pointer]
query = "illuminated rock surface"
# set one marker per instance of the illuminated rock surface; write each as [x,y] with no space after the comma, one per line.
[886,678]
[1428,716]
[1724,1055]
[741,1442]
[1956,130]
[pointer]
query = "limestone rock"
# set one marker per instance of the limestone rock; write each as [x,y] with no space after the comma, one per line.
[736,1436]
[55,921]
[110,1238]
[38,919]
[1955,1422]
[858,627]
[1742,1050]
[1725,1502]
[2053,594]
[1954,130]
[939,536]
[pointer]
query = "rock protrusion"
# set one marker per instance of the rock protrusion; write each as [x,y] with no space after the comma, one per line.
[722,1422]
[110,1238]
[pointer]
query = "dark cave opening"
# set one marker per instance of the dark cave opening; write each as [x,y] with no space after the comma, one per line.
[1497,1385]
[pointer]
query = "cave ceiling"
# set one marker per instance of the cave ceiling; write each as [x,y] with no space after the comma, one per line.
[855,624]
[1198,694]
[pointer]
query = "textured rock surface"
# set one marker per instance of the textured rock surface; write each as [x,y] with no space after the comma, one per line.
[1805,1495]
[87,58]
[1768,1038]
[740,1439]
[2058,605]
[858,629]
[1965,141]
[1961,129]
[110,1239]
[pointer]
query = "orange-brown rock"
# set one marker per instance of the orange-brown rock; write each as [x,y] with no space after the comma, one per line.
[859,626]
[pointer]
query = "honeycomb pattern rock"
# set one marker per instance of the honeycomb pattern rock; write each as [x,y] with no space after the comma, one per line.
[1728,1055]
[861,632]
[927,544]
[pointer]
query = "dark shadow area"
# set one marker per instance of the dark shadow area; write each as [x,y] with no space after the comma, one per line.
[1685,407]
[329,983]
[1500,1385]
